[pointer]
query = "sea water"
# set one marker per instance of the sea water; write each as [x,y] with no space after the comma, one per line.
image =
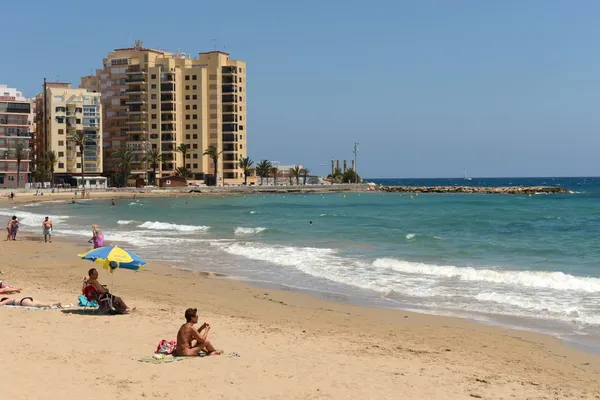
[530,262]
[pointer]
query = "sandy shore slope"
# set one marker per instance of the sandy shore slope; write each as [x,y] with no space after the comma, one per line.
[292,345]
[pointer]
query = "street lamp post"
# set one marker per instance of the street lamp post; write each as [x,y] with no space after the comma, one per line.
[355,151]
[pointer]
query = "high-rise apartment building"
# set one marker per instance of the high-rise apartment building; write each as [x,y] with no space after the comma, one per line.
[15,138]
[60,111]
[158,100]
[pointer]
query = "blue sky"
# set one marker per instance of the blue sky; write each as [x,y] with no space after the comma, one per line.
[428,88]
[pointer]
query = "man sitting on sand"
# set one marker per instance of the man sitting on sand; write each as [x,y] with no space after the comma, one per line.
[103,293]
[188,334]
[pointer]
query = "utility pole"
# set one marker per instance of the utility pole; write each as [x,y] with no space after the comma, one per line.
[355,151]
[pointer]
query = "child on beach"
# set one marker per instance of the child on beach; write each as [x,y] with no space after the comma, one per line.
[11,228]
[97,237]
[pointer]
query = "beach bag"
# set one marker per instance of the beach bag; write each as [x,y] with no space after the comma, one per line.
[165,347]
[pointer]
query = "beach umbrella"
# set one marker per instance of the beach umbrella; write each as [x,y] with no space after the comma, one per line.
[113,257]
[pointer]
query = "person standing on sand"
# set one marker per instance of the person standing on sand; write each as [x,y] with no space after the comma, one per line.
[47,229]
[187,334]
[8,229]
[97,237]
[14,228]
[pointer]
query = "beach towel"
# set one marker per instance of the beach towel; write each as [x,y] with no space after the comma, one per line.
[160,360]
[84,302]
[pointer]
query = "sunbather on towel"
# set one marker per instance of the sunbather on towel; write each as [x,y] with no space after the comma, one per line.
[103,293]
[26,302]
[187,335]
[7,289]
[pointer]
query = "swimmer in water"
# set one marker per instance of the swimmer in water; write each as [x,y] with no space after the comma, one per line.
[310,222]
[113,202]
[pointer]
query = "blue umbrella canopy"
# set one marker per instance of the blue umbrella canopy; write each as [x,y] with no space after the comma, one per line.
[113,257]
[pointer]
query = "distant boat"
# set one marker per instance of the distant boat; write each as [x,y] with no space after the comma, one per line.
[466,177]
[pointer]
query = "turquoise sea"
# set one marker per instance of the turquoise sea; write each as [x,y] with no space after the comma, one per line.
[530,262]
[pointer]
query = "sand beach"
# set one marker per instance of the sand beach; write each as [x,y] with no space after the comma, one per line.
[290,345]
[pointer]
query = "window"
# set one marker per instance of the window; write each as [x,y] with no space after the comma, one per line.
[213,87]
[241,146]
[241,70]
[241,137]
[187,126]
[241,118]
[154,145]
[187,106]
[195,146]
[241,127]
[60,120]
[153,96]
[195,136]
[241,108]
[195,165]
[187,116]
[195,155]
[61,153]
[187,156]
[153,76]
[193,77]
[195,126]
[153,86]
[78,165]
[240,98]
[241,80]
[241,89]
[61,142]
[187,96]
[153,116]
[153,106]
[61,131]
[195,116]
[212,77]
[187,87]
[194,87]
[187,137]
[154,126]
[187,77]
[188,165]
[194,97]
[194,106]
[61,165]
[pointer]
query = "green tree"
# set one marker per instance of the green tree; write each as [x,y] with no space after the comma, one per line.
[78,138]
[123,160]
[50,161]
[350,176]
[304,172]
[153,157]
[274,171]
[183,171]
[184,149]
[245,164]
[295,173]
[19,151]
[40,173]
[262,170]
[213,154]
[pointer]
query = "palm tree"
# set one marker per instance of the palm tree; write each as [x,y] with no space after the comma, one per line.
[40,173]
[78,137]
[124,158]
[304,172]
[262,169]
[274,171]
[214,154]
[153,157]
[183,171]
[20,153]
[246,165]
[50,161]
[184,150]
[295,172]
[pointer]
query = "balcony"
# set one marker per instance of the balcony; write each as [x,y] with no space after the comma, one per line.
[230,118]
[228,70]
[133,110]
[167,137]
[167,77]
[136,89]
[168,97]
[167,87]
[136,99]
[229,98]
[135,79]
[135,70]
[229,138]
[136,147]
[229,89]
[230,79]
[229,147]
[230,128]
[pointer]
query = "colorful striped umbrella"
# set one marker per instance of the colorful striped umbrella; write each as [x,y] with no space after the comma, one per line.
[113,257]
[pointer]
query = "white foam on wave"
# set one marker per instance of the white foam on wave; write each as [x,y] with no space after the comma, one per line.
[124,222]
[532,279]
[27,219]
[165,226]
[410,236]
[248,231]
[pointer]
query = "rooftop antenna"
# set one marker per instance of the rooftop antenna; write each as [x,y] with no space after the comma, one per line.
[215,44]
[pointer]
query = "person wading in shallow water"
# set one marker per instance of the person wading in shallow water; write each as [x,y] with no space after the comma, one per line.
[47,229]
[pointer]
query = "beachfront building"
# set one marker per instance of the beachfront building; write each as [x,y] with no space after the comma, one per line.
[156,100]
[60,112]
[15,138]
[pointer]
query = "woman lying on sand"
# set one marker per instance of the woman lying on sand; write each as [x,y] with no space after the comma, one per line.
[27,302]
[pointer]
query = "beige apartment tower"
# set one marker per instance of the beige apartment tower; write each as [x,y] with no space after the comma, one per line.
[68,110]
[158,100]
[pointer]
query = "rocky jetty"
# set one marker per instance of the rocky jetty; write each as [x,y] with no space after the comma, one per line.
[474,189]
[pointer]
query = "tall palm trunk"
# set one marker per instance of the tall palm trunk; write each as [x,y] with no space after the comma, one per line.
[18,173]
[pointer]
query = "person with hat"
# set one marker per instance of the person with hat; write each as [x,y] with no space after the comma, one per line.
[191,342]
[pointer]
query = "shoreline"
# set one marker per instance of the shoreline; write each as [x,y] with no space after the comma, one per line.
[294,337]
